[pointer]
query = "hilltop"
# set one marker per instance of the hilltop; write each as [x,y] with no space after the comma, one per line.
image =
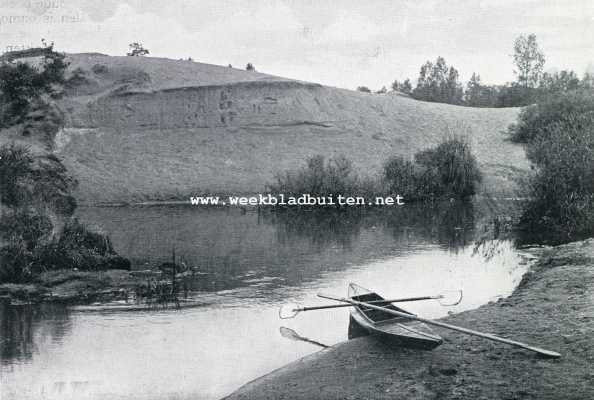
[141,128]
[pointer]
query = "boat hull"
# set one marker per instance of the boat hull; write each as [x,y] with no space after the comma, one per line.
[395,331]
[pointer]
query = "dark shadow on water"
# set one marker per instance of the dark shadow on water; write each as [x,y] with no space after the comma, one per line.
[22,327]
[321,227]
[451,225]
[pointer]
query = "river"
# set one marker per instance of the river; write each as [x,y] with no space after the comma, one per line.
[251,263]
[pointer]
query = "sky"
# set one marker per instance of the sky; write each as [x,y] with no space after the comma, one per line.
[343,43]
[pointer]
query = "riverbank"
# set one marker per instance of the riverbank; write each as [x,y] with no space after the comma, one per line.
[79,287]
[553,308]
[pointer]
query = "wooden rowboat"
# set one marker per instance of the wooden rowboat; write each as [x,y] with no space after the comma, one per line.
[395,330]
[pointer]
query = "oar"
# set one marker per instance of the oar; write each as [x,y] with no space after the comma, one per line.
[291,334]
[489,336]
[448,298]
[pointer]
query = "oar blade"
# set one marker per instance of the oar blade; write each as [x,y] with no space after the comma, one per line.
[288,311]
[450,298]
[289,333]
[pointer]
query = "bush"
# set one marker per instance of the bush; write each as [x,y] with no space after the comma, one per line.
[556,109]
[318,178]
[15,263]
[22,84]
[25,180]
[79,248]
[29,188]
[562,190]
[16,166]
[401,177]
[75,235]
[449,170]
[25,227]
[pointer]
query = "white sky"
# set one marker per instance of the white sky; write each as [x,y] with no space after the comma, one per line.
[343,43]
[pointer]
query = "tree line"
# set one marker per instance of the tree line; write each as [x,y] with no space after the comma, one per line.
[440,82]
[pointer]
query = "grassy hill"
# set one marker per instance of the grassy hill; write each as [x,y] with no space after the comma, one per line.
[151,129]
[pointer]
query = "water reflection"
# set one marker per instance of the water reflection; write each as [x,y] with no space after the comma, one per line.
[451,225]
[23,327]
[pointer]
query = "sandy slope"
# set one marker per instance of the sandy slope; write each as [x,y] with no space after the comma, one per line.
[149,129]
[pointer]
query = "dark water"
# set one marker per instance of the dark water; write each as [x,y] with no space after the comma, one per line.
[253,262]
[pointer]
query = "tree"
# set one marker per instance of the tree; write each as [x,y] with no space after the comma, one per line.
[404,87]
[383,90]
[395,85]
[559,82]
[454,91]
[137,49]
[587,81]
[250,67]
[438,82]
[529,60]
[472,95]
[363,89]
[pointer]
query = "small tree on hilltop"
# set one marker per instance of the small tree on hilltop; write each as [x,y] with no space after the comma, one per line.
[249,67]
[529,60]
[136,49]
[363,89]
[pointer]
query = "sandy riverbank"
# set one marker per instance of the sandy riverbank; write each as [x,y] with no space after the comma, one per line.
[552,308]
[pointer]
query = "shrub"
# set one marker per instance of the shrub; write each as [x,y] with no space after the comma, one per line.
[401,177]
[76,235]
[29,188]
[318,178]
[80,248]
[77,78]
[16,166]
[22,84]
[99,69]
[449,170]
[25,180]
[562,190]
[558,109]
[15,263]
[24,226]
